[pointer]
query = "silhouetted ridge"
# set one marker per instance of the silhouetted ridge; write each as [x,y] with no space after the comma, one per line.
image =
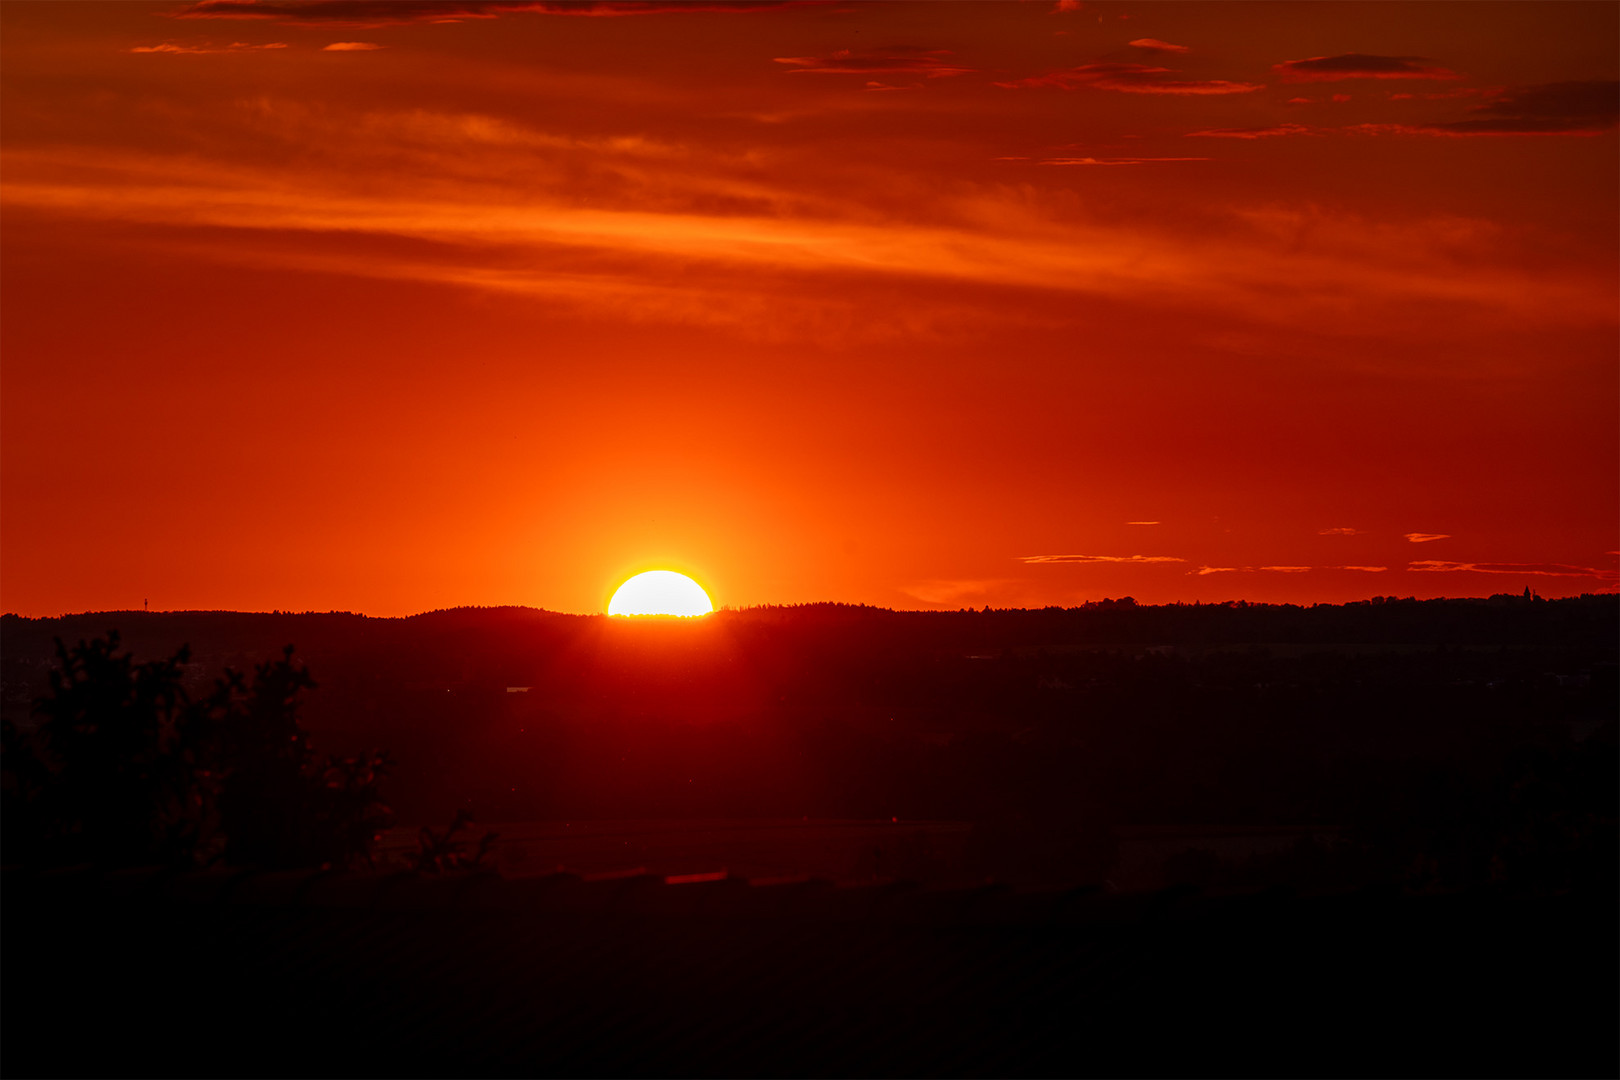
[1380,719]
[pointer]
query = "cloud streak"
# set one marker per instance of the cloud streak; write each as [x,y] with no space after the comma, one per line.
[1567,108]
[945,592]
[1087,559]
[493,205]
[195,50]
[1424,538]
[374,13]
[1253,132]
[1442,566]
[929,63]
[1360,66]
[1128,78]
[1114,161]
[1203,571]
[1155,45]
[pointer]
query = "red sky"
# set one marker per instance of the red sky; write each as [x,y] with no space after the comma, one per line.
[913,305]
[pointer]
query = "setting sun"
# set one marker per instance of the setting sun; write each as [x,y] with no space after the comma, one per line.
[660,592]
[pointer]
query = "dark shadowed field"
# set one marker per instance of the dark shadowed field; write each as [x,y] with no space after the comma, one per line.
[290,974]
[1141,841]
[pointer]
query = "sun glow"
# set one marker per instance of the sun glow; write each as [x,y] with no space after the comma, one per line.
[660,592]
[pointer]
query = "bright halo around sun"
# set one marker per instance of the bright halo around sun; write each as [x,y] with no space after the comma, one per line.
[660,592]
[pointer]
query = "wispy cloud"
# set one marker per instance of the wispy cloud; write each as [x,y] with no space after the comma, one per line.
[946,592]
[930,63]
[1130,79]
[1037,559]
[1360,66]
[1424,538]
[1144,523]
[1114,161]
[1573,108]
[1567,108]
[1155,45]
[1203,570]
[1342,530]
[1533,569]
[373,13]
[235,46]
[490,204]
[1253,132]
[1446,131]
[1447,95]
[352,46]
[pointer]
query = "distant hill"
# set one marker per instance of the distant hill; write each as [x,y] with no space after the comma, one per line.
[517,645]
[1362,716]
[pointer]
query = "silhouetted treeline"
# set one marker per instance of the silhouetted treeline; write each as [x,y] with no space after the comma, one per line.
[122,765]
[1452,740]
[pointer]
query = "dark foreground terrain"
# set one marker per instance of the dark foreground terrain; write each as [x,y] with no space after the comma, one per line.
[1109,715]
[1347,840]
[335,975]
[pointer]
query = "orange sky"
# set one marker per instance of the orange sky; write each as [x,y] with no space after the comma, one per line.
[913,305]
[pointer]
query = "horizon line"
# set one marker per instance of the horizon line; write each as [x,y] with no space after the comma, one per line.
[1113,602]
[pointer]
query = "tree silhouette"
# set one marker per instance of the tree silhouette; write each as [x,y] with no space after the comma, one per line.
[438,853]
[280,805]
[127,769]
[110,780]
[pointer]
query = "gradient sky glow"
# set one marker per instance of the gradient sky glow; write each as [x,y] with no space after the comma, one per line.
[389,307]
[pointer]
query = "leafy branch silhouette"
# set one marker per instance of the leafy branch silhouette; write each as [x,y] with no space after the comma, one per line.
[126,768]
[438,853]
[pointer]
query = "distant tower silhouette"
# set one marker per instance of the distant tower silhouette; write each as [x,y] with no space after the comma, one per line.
[146,605]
